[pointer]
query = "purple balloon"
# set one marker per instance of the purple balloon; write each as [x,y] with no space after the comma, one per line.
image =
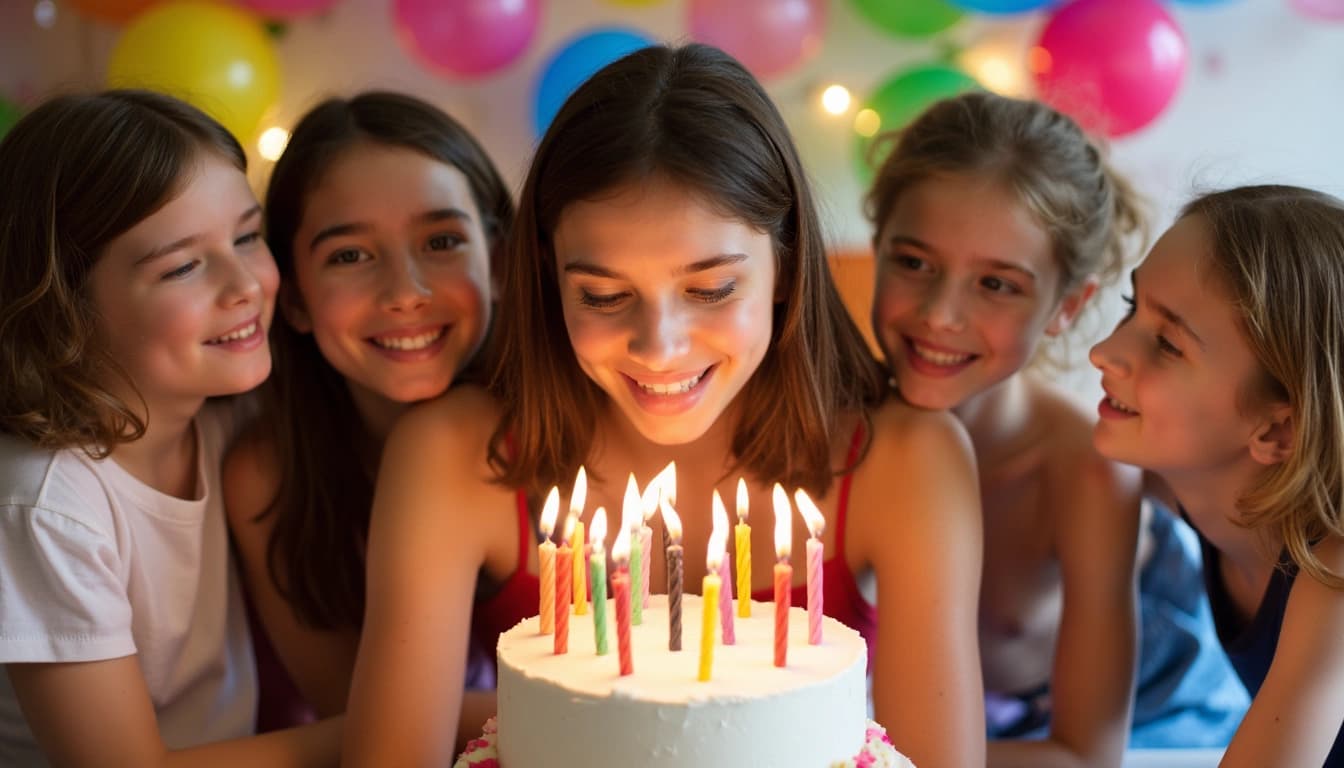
[285,9]
[467,37]
[1113,65]
[768,36]
[1331,10]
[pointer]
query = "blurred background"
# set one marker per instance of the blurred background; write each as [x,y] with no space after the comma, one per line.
[1191,94]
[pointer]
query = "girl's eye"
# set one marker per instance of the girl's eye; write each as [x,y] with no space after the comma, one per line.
[999,285]
[908,262]
[600,301]
[713,296]
[1129,307]
[445,242]
[1167,347]
[346,256]
[247,239]
[181,271]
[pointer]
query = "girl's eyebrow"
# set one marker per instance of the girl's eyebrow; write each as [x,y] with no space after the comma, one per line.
[1165,312]
[355,227]
[580,267]
[190,240]
[993,263]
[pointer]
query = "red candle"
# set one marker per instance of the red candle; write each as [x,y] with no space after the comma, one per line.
[564,561]
[783,573]
[620,584]
[816,523]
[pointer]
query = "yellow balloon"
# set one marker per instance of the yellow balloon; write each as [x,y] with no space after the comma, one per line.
[214,56]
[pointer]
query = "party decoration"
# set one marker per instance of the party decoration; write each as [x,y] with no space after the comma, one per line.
[575,63]
[9,115]
[1113,65]
[1003,6]
[467,38]
[635,3]
[286,9]
[769,37]
[115,11]
[217,57]
[900,99]
[909,18]
[1330,10]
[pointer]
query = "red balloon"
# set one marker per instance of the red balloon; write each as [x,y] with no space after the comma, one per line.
[1113,65]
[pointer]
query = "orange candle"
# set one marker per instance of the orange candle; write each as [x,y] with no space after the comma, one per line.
[546,562]
[563,563]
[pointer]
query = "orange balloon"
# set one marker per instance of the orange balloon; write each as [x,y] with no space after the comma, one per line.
[115,11]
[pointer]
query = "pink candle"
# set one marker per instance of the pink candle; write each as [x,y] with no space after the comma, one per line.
[564,561]
[725,572]
[646,552]
[816,523]
[783,573]
[620,584]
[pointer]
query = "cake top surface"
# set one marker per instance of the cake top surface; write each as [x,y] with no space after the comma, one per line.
[744,670]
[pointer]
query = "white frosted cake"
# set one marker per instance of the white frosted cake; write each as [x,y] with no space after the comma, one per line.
[576,709]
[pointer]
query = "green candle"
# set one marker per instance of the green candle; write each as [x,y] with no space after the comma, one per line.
[636,579]
[597,568]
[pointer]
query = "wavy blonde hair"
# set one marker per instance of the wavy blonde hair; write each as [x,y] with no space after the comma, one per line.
[1279,252]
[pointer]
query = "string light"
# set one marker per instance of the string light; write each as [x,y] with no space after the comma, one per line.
[272,143]
[835,99]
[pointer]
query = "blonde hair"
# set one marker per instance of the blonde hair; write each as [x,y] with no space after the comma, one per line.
[1279,252]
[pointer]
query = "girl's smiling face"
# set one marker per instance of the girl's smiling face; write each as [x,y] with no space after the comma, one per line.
[668,304]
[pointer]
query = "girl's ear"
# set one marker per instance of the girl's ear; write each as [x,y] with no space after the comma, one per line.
[291,306]
[1069,307]
[1272,440]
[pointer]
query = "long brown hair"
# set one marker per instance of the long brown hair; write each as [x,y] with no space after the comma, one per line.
[327,458]
[695,116]
[75,173]
[1279,252]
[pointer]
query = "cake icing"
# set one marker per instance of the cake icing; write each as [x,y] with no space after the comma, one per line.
[575,709]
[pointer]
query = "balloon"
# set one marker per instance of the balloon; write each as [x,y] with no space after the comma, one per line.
[467,37]
[901,99]
[9,115]
[286,9]
[1330,10]
[909,18]
[217,57]
[1003,6]
[768,36]
[115,11]
[575,63]
[1112,65]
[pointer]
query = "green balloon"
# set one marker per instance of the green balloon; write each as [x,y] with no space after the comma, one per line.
[901,99]
[9,115]
[909,18]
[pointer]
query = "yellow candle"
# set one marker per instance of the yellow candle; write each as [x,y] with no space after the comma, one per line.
[742,537]
[709,623]
[580,570]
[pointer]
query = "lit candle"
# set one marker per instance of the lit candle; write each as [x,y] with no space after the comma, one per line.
[632,520]
[725,574]
[816,523]
[563,563]
[546,561]
[621,555]
[783,573]
[672,524]
[742,533]
[718,540]
[576,502]
[598,561]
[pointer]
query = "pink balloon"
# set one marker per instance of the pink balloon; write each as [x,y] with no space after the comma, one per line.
[1113,65]
[285,9]
[467,37]
[768,36]
[1332,10]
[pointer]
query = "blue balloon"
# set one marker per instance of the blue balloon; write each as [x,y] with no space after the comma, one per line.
[579,60]
[1003,6]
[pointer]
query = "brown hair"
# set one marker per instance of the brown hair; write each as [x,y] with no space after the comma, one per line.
[315,554]
[1279,252]
[75,173]
[695,116]
[1088,210]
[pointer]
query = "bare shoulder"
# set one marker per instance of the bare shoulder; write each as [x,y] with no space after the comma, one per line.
[902,432]
[459,423]
[1070,460]
[251,478]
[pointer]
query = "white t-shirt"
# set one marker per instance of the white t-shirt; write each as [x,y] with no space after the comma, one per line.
[94,564]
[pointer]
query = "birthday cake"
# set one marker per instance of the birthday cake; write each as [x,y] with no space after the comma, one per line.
[576,708]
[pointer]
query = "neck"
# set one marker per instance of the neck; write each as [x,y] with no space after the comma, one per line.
[377,413]
[164,458]
[1209,498]
[621,448]
[996,417]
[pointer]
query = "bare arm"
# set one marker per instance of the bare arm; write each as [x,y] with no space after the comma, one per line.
[1092,682]
[319,662]
[1296,715]
[916,522]
[99,714]
[434,518]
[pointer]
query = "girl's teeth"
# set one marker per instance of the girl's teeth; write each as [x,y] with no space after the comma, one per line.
[238,335]
[409,343]
[940,358]
[1119,406]
[675,388]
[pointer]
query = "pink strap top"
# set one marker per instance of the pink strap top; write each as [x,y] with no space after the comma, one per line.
[517,598]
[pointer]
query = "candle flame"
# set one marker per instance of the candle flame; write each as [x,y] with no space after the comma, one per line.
[579,496]
[816,522]
[632,514]
[743,501]
[658,489]
[597,534]
[670,519]
[620,548]
[783,523]
[718,537]
[549,512]
[570,522]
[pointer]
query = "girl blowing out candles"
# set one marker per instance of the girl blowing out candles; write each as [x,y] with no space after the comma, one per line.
[671,301]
